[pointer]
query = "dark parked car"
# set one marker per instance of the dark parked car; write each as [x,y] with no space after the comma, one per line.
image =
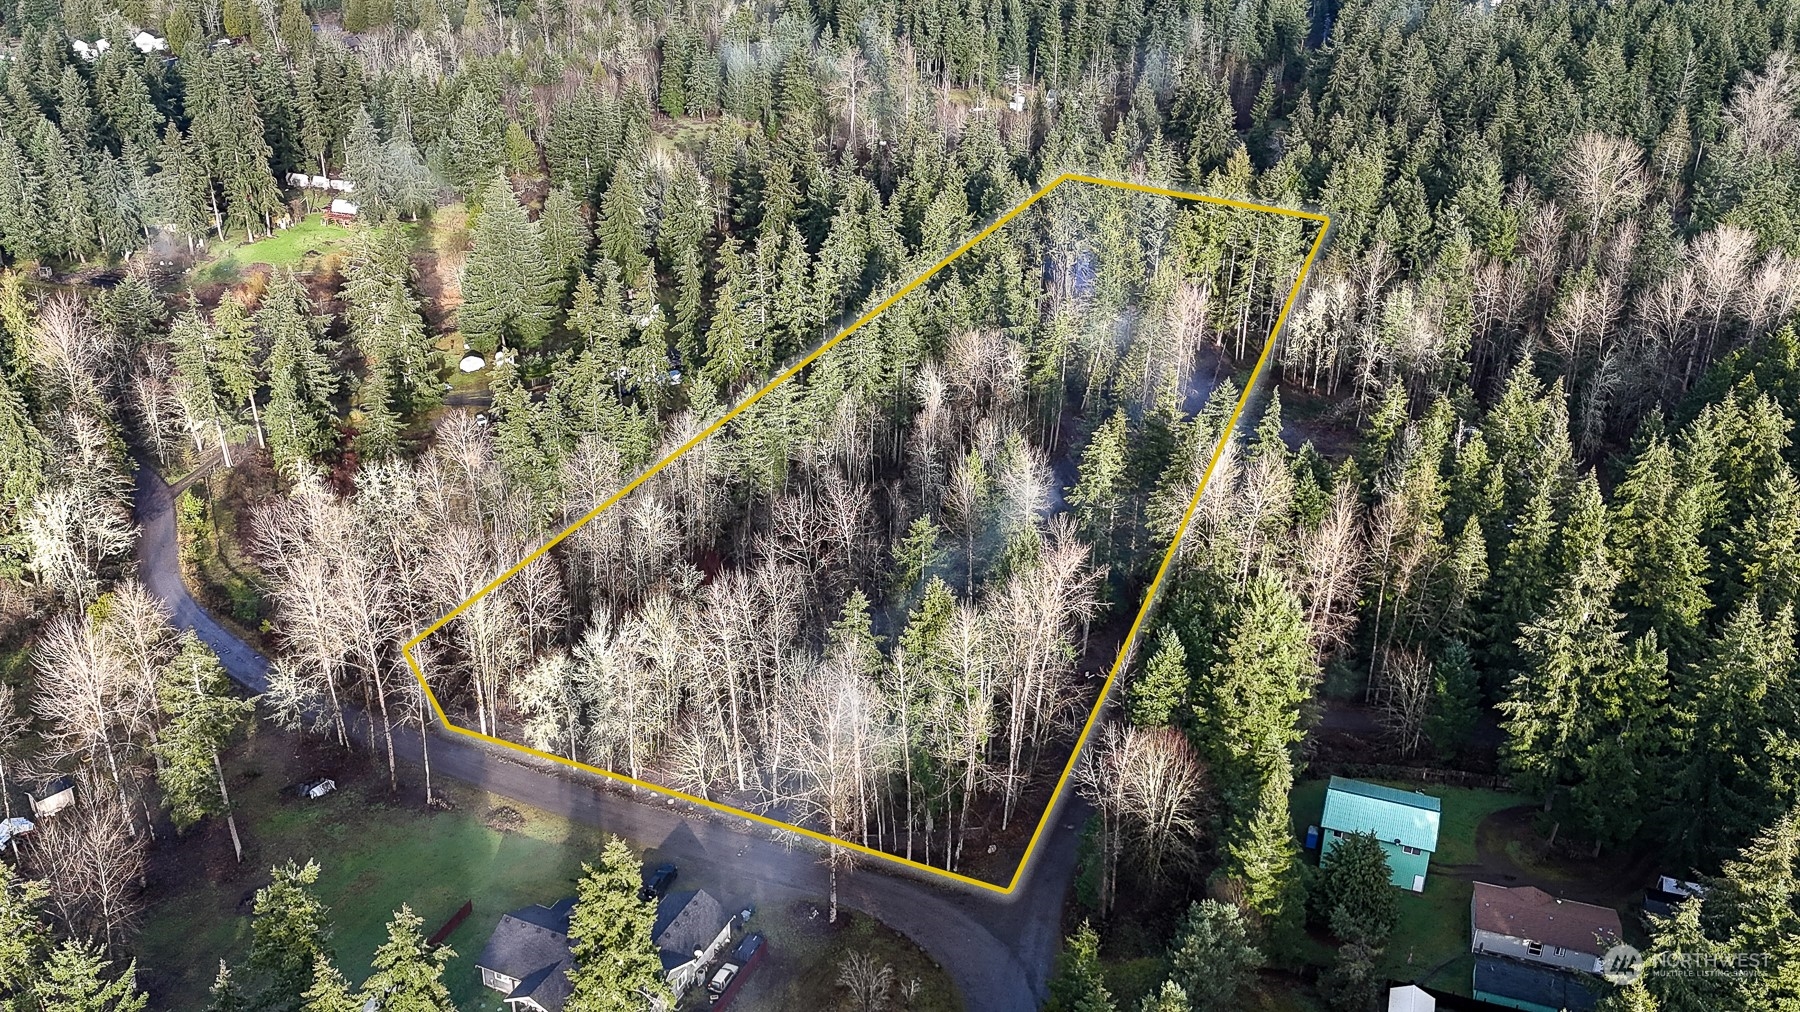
[730,976]
[657,883]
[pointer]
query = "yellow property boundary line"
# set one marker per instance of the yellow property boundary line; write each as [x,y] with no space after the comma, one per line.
[1130,638]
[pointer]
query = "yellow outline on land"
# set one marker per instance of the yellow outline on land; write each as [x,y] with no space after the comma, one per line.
[787,374]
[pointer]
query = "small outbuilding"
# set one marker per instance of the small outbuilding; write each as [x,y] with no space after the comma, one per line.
[341,212]
[55,796]
[1404,822]
[1410,998]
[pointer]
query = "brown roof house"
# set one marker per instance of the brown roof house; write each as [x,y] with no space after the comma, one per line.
[1534,951]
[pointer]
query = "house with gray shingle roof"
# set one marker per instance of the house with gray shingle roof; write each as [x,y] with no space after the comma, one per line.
[690,930]
[527,957]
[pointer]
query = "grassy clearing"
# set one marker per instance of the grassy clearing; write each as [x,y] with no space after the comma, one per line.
[375,855]
[1432,937]
[286,248]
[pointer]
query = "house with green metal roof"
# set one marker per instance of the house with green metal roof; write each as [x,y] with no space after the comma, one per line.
[1405,823]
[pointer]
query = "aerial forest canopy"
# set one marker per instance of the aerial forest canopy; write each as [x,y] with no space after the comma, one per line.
[1529,476]
[863,602]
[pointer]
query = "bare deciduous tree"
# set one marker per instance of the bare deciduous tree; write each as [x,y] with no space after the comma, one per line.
[94,865]
[1402,696]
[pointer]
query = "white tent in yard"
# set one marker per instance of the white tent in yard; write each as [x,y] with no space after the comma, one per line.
[1409,998]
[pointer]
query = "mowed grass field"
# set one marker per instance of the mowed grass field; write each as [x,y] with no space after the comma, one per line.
[1431,943]
[286,248]
[374,854]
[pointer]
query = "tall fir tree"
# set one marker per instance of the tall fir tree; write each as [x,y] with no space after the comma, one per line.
[1211,958]
[617,968]
[290,933]
[302,381]
[1162,689]
[78,978]
[510,291]
[409,972]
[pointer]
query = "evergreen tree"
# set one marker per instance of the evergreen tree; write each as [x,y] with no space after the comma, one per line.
[229,135]
[302,382]
[76,979]
[237,15]
[616,967]
[330,992]
[24,218]
[1736,697]
[624,221]
[1356,898]
[1755,902]
[1455,701]
[1100,487]
[234,358]
[1246,715]
[1168,998]
[509,289]
[365,164]
[24,937]
[1161,690]
[1078,985]
[1623,770]
[918,553]
[1352,984]
[734,347]
[474,147]
[1572,653]
[201,713]
[22,459]
[1763,554]
[1657,530]
[409,974]
[290,933]
[1262,855]
[296,27]
[225,995]
[567,234]
[1212,958]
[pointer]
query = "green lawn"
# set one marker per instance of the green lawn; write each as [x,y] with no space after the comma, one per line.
[374,857]
[286,248]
